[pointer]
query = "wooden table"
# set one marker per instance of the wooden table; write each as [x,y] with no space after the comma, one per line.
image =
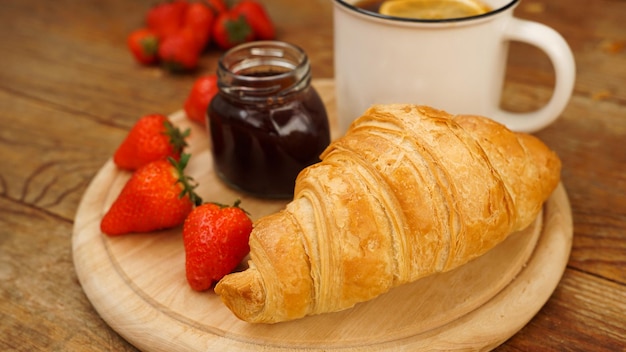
[69,92]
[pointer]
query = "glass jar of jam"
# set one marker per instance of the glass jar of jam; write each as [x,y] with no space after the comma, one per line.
[266,122]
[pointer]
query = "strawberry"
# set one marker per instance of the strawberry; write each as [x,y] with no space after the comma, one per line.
[199,17]
[215,238]
[230,29]
[166,18]
[179,51]
[197,102]
[153,137]
[257,17]
[143,44]
[218,6]
[157,196]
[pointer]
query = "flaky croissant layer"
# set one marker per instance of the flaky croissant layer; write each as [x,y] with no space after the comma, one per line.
[409,191]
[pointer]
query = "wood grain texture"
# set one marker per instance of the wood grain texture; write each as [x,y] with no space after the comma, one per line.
[36,277]
[137,282]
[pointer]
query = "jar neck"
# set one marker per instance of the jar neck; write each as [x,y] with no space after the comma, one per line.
[263,71]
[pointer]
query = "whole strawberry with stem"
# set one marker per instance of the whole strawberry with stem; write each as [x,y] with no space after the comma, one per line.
[144,45]
[157,196]
[257,17]
[215,238]
[153,137]
[230,29]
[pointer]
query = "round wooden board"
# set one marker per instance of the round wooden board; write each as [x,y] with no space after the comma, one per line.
[137,282]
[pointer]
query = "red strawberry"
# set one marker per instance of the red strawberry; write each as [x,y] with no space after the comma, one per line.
[157,196]
[143,44]
[257,17]
[215,238]
[167,17]
[203,90]
[179,51]
[199,17]
[230,29]
[218,6]
[153,137]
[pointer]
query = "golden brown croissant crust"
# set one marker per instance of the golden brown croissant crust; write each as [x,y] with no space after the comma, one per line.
[408,191]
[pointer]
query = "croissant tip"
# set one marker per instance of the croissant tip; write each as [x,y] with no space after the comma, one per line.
[242,293]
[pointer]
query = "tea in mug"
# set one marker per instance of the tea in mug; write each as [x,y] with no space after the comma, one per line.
[425,9]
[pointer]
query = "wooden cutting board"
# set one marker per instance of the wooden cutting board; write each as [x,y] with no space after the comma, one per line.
[137,282]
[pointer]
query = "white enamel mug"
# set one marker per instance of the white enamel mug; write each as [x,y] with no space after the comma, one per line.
[454,65]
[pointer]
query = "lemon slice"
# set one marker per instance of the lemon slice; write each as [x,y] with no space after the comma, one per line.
[432,9]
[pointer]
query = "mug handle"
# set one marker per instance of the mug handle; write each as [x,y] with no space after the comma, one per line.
[553,44]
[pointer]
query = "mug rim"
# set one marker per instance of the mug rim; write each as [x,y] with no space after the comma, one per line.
[418,20]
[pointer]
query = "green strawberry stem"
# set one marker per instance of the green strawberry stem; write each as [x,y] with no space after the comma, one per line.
[230,3]
[150,45]
[238,29]
[187,182]
[177,137]
[235,205]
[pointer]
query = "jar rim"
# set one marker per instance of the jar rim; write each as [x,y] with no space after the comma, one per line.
[264,53]
[265,70]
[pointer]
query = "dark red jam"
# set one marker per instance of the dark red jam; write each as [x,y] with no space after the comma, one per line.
[267,122]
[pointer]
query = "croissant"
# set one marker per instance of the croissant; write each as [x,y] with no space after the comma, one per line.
[409,191]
